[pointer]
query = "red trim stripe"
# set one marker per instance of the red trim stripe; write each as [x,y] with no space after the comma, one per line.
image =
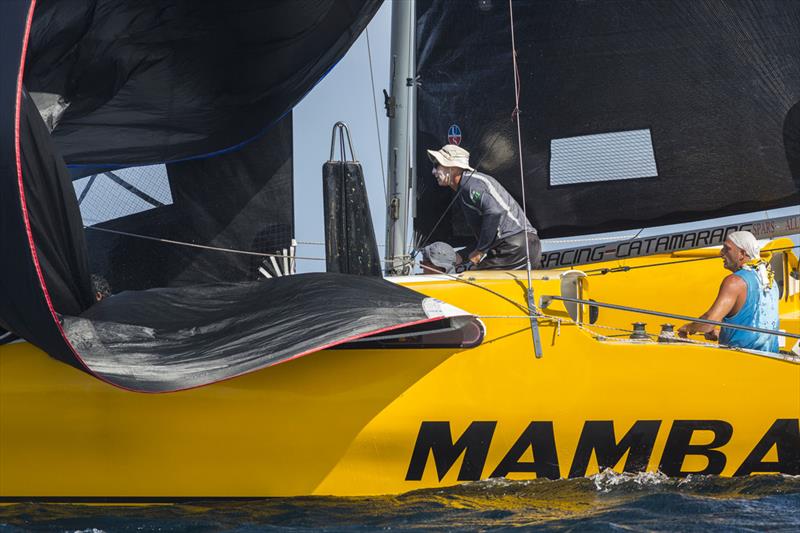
[20,185]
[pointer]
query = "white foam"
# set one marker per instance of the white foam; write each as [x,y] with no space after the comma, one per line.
[608,478]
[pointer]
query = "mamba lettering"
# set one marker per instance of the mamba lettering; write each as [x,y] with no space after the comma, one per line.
[630,451]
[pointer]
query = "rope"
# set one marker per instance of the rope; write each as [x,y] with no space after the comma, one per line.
[478,285]
[215,248]
[783,355]
[590,329]
[193,245]
[677,340]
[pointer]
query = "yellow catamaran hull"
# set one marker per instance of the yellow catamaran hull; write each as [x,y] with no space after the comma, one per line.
[365,422]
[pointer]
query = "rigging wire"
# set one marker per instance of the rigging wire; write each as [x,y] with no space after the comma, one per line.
[619,259]
[615,270]
[588,239]
[515,115]
[410,126]
[537,347]
[322,243]
[377,122]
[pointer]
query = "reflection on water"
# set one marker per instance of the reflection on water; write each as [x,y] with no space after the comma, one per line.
[604,502]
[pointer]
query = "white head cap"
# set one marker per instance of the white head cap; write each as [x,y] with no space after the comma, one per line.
[747,242]
[450,155]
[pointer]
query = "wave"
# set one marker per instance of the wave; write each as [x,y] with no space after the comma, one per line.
[608,501]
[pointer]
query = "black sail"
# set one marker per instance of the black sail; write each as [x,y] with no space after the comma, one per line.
[238,200]
[156,81]
[633,114]
[199,93]
[26,308]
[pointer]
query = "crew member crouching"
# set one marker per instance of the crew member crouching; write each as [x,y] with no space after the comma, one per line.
[496,219]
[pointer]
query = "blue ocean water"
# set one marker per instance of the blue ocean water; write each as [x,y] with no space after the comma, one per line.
[607,502]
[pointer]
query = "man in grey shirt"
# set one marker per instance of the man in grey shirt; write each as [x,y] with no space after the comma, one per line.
[496,219]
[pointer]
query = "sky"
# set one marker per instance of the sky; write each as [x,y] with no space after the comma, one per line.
[346,95]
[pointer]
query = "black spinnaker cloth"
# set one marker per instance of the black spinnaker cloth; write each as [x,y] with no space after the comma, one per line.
[170,338]
[167,339]
[155,81]
[24,306]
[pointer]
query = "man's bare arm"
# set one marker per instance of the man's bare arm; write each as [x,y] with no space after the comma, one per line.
[729,292]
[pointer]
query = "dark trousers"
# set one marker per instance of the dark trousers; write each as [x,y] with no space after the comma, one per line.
[509,253]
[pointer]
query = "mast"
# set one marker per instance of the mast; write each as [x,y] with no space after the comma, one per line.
[401,148]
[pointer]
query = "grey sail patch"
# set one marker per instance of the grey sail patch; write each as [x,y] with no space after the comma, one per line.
[602,157]
[51,106]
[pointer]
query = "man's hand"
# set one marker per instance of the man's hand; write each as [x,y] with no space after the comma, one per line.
[691,328]
[686,330]
[475,257]
[712,335]
[733,288]
[459,259]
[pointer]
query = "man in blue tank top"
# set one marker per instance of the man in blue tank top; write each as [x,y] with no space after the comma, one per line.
[748,297]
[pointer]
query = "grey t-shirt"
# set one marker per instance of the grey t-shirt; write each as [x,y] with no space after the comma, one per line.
[490,211]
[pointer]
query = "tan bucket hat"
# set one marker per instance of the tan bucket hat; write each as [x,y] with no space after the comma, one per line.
[450,155]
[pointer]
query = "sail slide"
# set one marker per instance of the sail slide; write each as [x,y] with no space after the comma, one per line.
[633,114]
[158,93]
